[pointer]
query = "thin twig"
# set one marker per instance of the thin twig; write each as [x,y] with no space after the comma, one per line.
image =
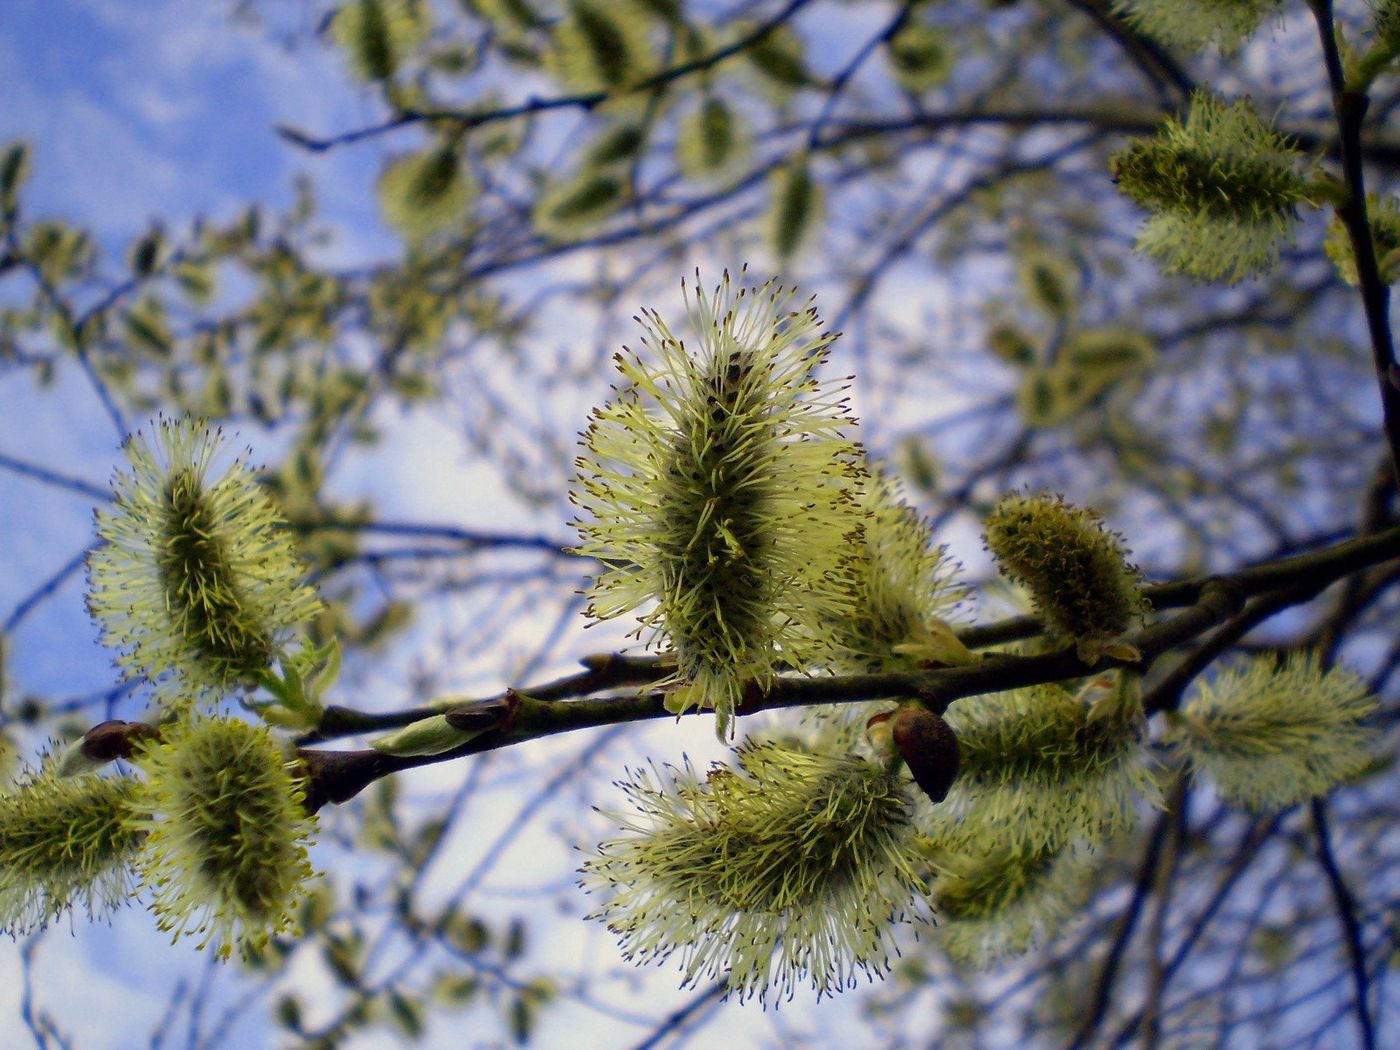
[1346,915]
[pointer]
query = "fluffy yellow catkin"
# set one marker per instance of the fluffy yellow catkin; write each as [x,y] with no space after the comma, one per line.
[1273,734]
[794,866]
[1222,186]
[196,579]
[64,843]
[1076,571]
[226,833]
[718,490]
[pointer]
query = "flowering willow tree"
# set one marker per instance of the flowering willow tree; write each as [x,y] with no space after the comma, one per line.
[1053,762]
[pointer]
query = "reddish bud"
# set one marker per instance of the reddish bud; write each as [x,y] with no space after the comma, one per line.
[930,749]
[113,739]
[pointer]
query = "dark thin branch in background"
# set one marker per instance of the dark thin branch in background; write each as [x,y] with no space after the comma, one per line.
[1178,814]
[44,590]
[676,1021]
[1346,916]
[1156,65]
[473,538]
[1127,923]
[1258,833]
[87,489]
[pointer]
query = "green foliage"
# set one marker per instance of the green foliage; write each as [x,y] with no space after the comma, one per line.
[1012,345]
[1090,362]
[795,208]
[147,329]
[920,57]
[779,57]
[1047,281]
[571,208]
[601,46]
[60,252]
[14,172]
[145,255]
[712,140]
[1105,355]
[509,14]
[616,145]
[422,193]
[1272,735]
[1223,188]
[377,34]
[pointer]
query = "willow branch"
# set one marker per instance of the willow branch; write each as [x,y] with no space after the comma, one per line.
[518,716]
[586,100]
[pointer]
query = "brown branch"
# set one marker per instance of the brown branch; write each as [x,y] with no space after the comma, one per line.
[549,711]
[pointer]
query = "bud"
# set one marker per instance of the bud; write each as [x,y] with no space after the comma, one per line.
[1075,570]
[103,743]
[227,832]
[929,748]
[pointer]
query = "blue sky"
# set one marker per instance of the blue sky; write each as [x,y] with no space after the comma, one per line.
[166,108]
